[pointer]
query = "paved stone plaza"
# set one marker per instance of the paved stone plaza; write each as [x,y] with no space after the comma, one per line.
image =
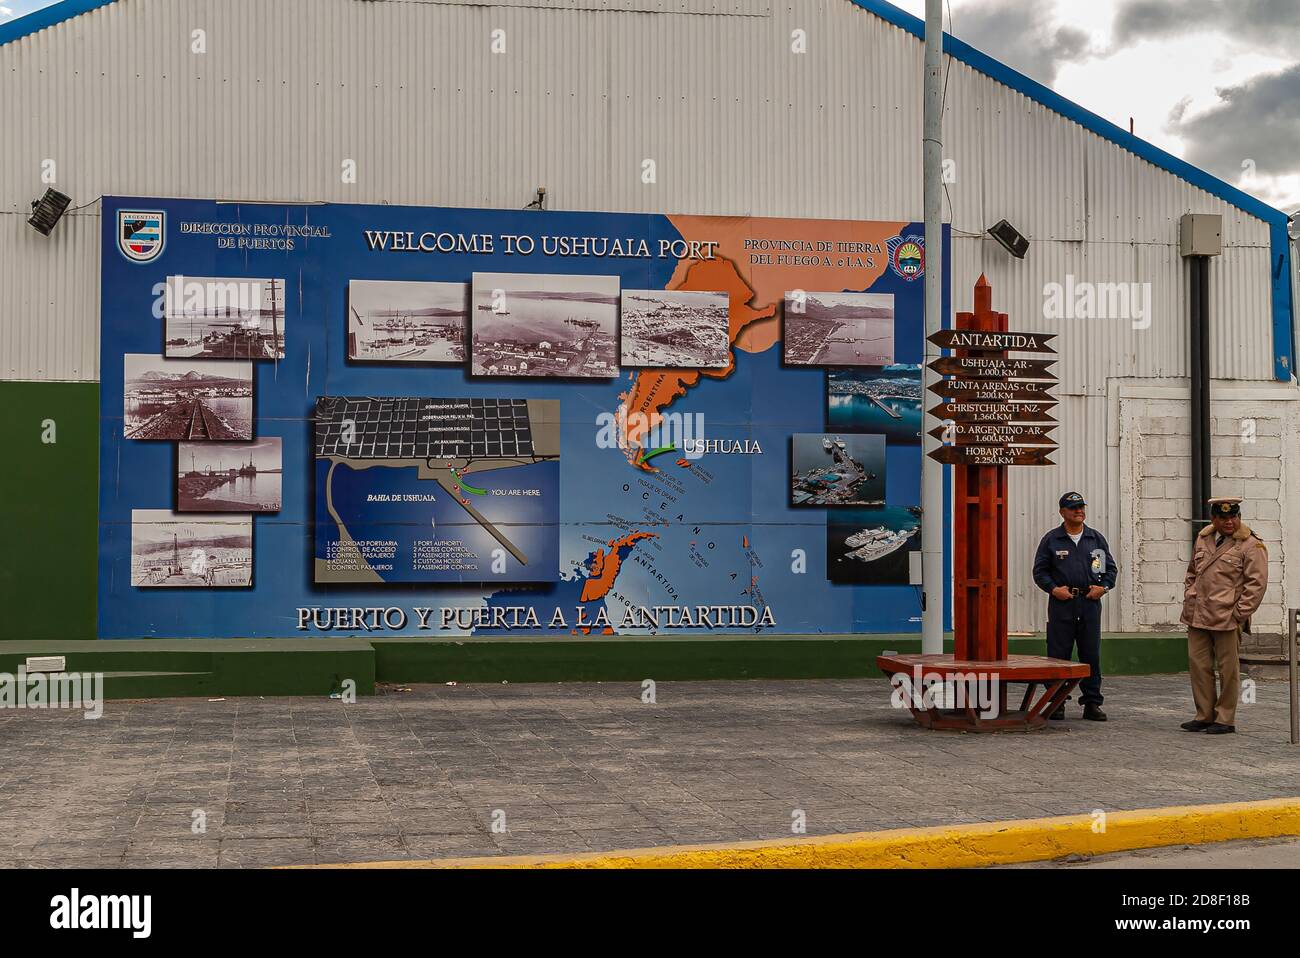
[576,767]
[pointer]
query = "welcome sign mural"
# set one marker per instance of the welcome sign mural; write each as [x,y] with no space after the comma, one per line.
[350,419]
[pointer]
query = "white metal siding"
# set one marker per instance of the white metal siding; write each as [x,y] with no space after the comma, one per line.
[735,122]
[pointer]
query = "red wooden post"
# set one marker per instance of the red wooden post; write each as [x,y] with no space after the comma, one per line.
[979,549]
[979,563]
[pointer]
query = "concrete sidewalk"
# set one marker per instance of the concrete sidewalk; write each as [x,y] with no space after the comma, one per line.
[580,767]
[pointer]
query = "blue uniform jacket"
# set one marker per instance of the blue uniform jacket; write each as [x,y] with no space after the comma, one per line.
[1060,562]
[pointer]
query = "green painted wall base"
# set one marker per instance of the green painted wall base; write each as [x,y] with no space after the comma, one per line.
[152,668]
[155,668]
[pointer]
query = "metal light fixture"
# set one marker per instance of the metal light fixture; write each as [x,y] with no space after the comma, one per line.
[1010,238]
[47,211]
[539,203]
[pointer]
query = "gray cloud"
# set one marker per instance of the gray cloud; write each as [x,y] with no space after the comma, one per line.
[1258,120]
[1023,35]
[1269,24]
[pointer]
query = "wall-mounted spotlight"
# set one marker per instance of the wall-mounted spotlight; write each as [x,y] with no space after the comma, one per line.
[1010,238]
[47,211]
[539,202]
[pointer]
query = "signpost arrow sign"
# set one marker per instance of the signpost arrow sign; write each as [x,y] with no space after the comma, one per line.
[1000,412]
[984,389]
[993,367]
[992,456]
[994,434]
[993,342]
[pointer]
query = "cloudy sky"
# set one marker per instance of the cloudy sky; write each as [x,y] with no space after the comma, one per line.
[1216,82]
[12,9]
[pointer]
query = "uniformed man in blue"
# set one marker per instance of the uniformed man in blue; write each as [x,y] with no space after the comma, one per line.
[1075,568]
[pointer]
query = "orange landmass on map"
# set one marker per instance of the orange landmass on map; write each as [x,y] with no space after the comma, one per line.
[756,291]
[605,566]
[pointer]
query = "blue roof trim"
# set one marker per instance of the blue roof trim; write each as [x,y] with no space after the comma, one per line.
[1280,258]
[48,17]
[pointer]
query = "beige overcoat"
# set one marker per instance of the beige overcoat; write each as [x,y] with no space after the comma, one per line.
[1225,586]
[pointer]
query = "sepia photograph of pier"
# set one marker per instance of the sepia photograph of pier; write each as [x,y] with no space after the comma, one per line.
[209,317]
[839,329]
[828,469]
[883,399]
[407,322]
[186,398]
[230,477]
[677,329]
[170,550]
[528,324]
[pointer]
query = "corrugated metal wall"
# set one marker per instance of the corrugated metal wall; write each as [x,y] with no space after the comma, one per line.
[736,123]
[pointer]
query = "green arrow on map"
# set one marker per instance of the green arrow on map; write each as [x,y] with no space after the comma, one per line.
[646,456]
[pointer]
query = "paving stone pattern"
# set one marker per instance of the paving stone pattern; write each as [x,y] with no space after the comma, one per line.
[576,767]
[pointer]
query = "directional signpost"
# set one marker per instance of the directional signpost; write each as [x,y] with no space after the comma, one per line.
[994,367]
[980,390]
[995,434]
[992,456]
[997,413]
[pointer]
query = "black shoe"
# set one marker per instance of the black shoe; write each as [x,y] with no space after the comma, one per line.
[1093,713]
[1195,725]
[1218,728]
[1059,714]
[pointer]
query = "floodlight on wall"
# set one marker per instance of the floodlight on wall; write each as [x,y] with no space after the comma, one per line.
[539,201]
[1010,238]
[47,211]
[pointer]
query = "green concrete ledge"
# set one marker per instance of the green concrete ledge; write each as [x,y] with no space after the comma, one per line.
[156,668]
[150,668]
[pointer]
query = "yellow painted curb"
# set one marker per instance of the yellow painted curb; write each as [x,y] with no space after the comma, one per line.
[948,846]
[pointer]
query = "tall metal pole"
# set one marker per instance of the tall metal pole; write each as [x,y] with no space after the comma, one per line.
[1291,654]
[931,471]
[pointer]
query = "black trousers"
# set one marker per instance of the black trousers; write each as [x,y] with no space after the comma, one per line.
[1062,637]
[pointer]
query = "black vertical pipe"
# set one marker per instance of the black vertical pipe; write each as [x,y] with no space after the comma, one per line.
[1200,369]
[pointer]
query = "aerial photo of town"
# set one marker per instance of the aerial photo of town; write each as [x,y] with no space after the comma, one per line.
[526,324]
[837,470]
[224,317]
[839,329]
[186,398]
[169,550]
[883,399]
[229,477]
[679,329]
[407,322]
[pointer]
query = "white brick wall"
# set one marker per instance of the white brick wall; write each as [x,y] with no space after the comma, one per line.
[1254,450]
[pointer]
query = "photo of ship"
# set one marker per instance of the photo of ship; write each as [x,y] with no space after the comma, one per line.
[407,322]
[883,399]
[677,329]
[224,317]
[526,324]
[838,329]
[186,398]
[229,477]
[837,469]
[872,546]
[171,551]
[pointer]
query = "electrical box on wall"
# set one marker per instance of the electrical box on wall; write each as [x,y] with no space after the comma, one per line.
[1200,234]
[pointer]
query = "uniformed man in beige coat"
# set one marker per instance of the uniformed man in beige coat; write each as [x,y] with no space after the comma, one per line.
[1225,584]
